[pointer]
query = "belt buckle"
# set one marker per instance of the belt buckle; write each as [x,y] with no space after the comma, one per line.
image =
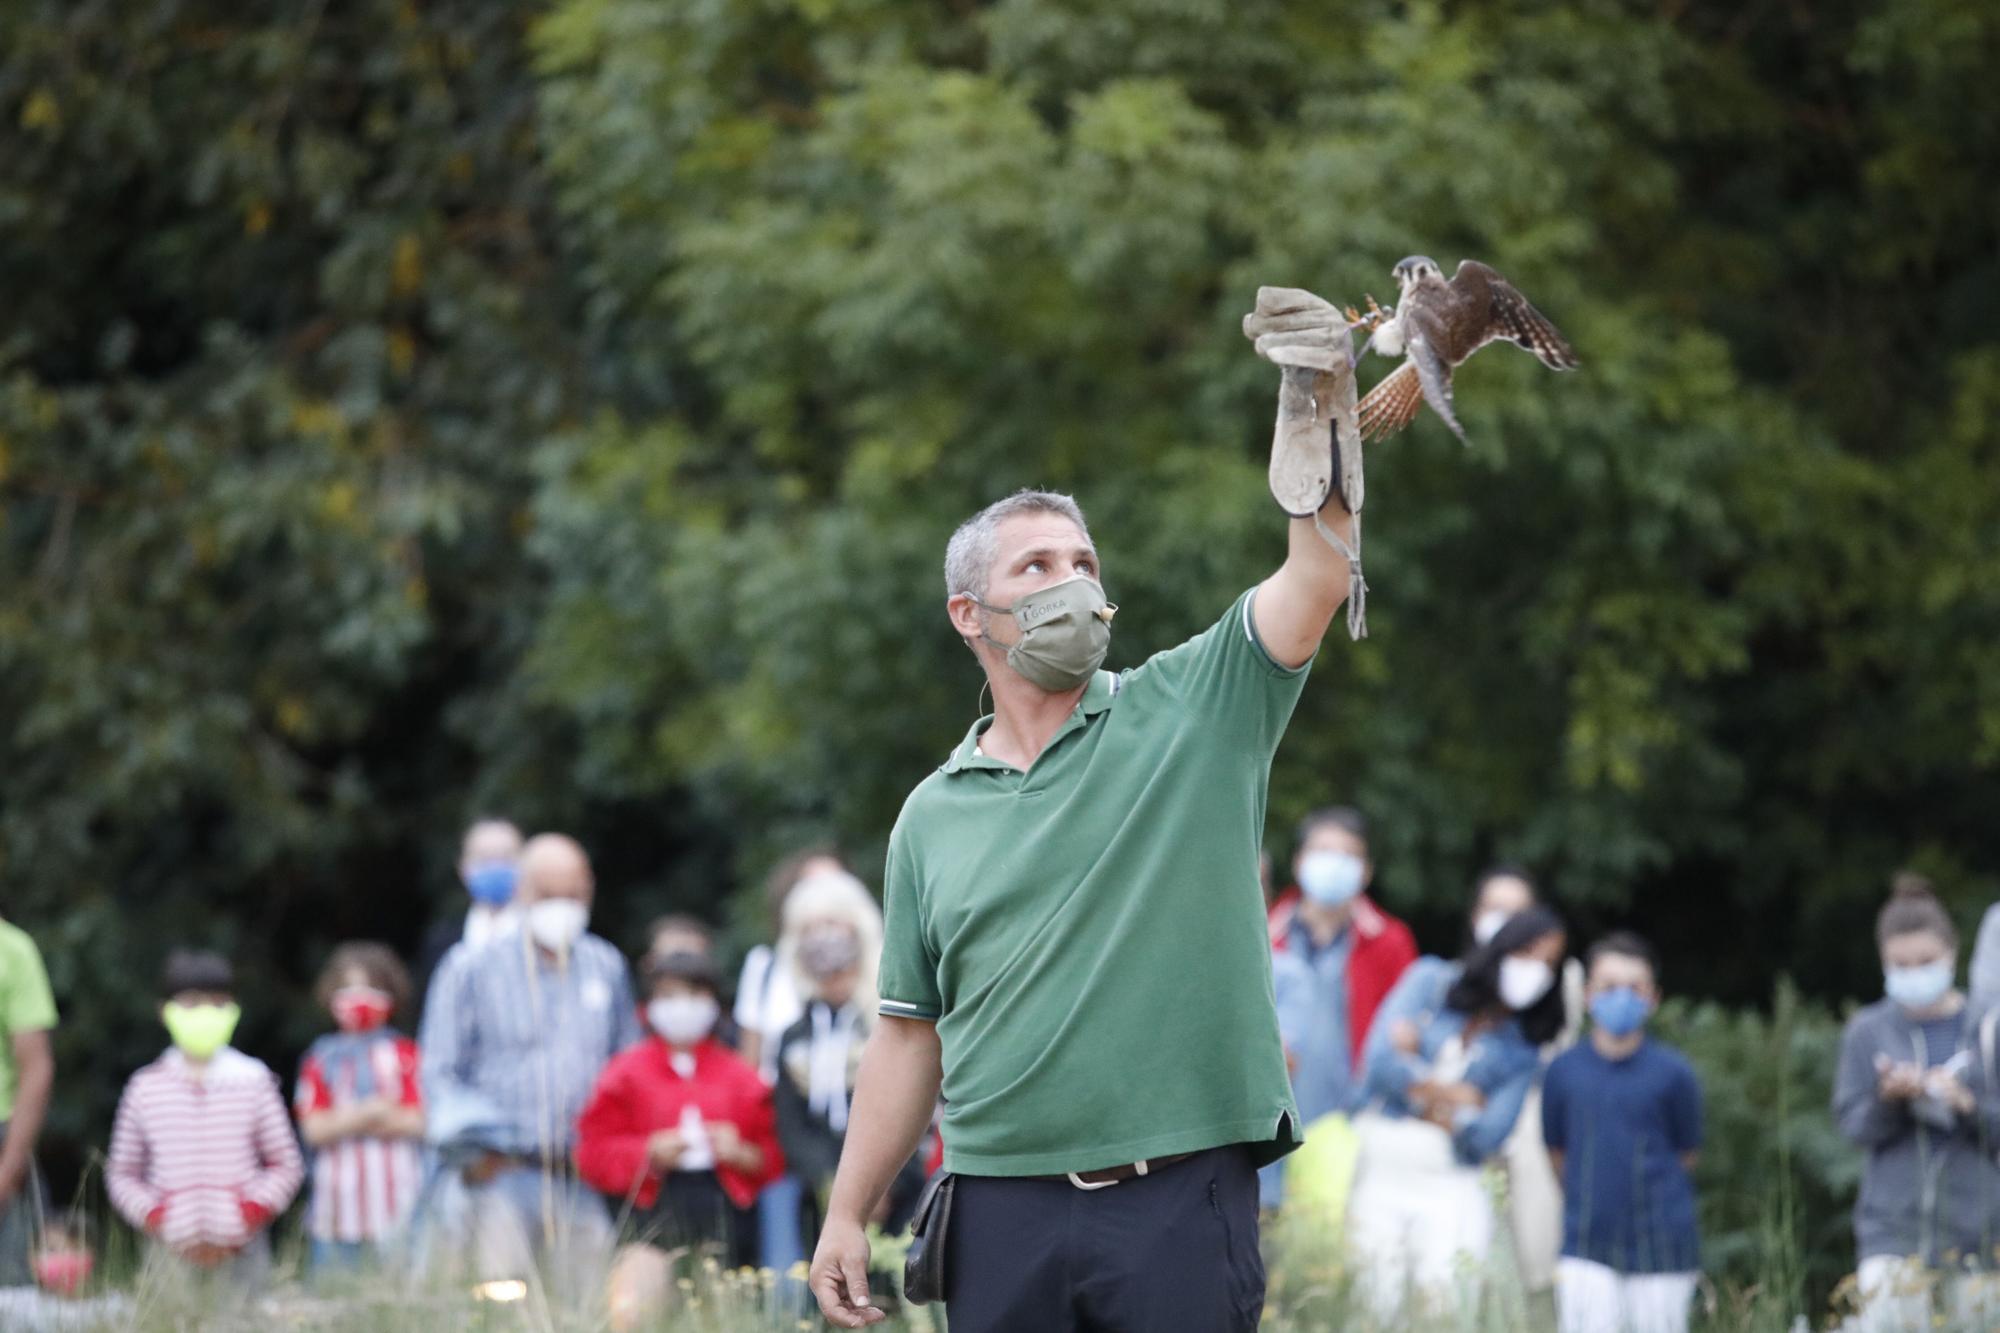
[1138,1169]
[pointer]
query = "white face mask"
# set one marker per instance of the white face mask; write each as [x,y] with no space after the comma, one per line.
[1524,981]
[1330,877]
[683,1019]
[557,923]
[1487,924]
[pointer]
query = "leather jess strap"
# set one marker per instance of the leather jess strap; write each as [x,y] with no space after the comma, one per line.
[1113,1175]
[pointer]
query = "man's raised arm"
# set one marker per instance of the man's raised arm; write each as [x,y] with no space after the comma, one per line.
[895,1092]
[1295,605]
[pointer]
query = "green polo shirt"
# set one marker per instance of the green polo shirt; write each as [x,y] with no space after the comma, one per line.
[26,1004]
[1089,935]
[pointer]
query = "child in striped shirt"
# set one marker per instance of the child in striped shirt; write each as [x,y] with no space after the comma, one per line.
[360,1110]
[202,1155]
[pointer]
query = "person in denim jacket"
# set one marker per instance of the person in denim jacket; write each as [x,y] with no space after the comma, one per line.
[1449,1061]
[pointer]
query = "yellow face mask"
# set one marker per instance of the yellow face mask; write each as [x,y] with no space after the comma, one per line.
[200,1030]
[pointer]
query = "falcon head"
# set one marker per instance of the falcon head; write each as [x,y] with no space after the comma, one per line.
[1416,269]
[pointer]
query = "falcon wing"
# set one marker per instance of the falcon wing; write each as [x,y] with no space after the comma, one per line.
[1510,316]
[1392,404]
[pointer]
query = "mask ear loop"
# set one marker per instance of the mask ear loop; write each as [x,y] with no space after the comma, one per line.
[986,683]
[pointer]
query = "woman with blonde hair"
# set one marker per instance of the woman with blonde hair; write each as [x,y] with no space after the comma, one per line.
[823,904]
[833,944]
[769,1001]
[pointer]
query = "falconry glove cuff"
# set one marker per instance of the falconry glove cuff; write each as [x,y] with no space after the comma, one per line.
[1308,339]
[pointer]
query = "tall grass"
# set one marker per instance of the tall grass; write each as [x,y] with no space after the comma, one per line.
[1312,1290]
[1776,1183]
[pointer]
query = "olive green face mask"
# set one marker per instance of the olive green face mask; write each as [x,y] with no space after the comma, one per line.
[1065,632]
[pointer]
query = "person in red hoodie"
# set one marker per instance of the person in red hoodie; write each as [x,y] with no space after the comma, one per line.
[681,1130]
[1335,957]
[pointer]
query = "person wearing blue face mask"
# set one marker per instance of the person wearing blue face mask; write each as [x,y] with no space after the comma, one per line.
[1621,1114]
[1334,956]
[1915,1090]
[488,865]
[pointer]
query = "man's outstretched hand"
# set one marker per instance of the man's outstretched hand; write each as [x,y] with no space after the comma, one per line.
[839,1277]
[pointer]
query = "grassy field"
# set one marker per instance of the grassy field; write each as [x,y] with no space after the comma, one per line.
[1309,1293]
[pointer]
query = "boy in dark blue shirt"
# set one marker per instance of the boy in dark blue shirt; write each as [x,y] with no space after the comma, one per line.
[1622,1118]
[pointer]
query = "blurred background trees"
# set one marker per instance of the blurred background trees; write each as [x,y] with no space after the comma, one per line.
[412,410]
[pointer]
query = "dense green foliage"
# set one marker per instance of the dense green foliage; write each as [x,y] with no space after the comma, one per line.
[1767,1083]
[408,410]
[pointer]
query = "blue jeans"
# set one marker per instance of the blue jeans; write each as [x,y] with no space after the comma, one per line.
[779,1245]
[330,1258]
[1271,1185]
[524,1219]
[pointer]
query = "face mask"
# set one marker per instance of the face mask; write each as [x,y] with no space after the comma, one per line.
[200,1030]
[1620,1011]
[492,884]
[1487,924]
[1918,987]
[1331,878]
[828,951]
[556,923]
[1524,981]
[1065,632]
[683,1019]
[63,1272]
[361,1008]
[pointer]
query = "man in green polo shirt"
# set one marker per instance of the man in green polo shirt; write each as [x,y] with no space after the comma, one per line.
[27,1075]
[1076,951]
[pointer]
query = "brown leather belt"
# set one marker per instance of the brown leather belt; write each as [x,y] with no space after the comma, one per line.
[1113,1175]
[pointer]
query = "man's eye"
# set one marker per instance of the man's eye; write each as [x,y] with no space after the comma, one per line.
[1035,566]
[1087,566]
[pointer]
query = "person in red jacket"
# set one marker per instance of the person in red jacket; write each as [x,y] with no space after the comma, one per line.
[1335,956]
[681,1130]
[1382,946]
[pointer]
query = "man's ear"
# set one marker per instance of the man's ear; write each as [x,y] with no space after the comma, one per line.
[964,614]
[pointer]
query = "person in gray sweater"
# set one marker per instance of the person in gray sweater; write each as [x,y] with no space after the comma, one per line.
[1916,1089]
[1983,980]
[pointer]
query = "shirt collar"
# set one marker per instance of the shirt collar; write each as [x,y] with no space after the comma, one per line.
[1302,938]
[665,1050]
[1097,697]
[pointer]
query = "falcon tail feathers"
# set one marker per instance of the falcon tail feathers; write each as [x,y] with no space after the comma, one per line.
[1392,404]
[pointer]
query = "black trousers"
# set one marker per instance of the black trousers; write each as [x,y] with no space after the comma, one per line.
[1171,1252]
[693,1211]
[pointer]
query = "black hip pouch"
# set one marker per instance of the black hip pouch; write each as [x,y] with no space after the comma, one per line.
[923,1266]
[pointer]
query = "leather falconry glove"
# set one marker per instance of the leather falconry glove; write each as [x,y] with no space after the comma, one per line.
[1308,340]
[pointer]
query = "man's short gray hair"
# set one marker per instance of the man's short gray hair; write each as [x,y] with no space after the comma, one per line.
[969,557]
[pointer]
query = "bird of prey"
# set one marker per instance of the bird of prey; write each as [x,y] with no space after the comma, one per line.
[1435,326]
